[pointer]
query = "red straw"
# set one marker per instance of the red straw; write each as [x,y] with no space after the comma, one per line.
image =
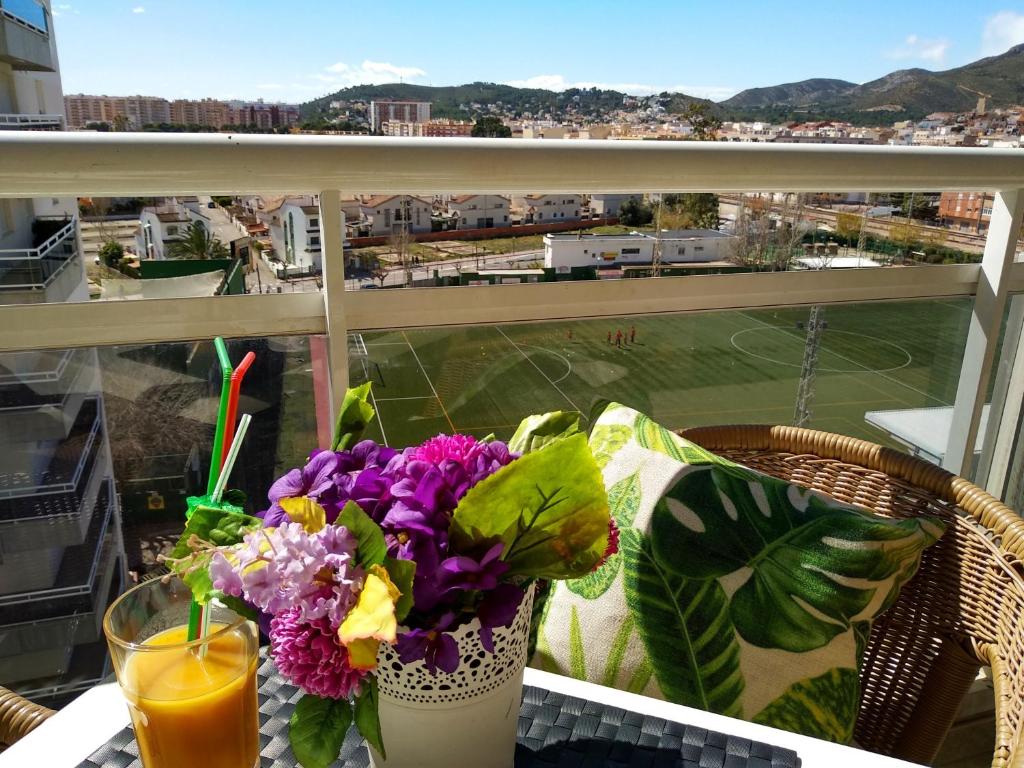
[236,384]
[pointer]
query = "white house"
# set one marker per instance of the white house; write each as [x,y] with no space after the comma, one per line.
[544,209]
[479,211]
[295,234]
[159,226]
[383,215]
[603,206]
[677,246]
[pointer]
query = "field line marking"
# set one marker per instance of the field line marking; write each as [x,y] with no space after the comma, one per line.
[854,362]
[424,372]
[563,358]
[385,344]
[557,388]
[380,418]
[414,397]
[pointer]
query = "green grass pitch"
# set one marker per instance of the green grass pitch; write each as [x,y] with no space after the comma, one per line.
[683,370]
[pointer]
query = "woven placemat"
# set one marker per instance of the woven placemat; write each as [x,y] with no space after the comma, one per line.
[554,730]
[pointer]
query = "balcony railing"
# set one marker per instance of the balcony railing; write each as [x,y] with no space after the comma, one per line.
[30,13]
[42,164]
[35,268]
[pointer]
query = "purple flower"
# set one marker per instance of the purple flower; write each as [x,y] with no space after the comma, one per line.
[465,573]
[498,609]
[309,655]
[436,647]
[312,480]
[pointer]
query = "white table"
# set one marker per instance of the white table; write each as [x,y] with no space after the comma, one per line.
[91,720]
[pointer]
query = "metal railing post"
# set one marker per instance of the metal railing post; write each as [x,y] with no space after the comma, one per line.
[333,267]
[983,335]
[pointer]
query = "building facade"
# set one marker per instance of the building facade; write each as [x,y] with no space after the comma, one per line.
[137,111]
[62,557]
[430,129]
[385,215]
[544,209]
[398,111]
[259,114]
[479,211]
[966,211]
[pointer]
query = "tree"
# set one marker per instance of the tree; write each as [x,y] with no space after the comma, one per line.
[197,244]
[848,227]
[634,213]
[701,209]
[705,125]
[491,127]
[111,253]
[120,123]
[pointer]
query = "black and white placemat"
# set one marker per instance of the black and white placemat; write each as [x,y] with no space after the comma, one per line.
[554,730]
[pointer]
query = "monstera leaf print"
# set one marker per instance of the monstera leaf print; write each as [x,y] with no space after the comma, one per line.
[606,440]
[812,569]
[624,501]
[655,437]
[686,629]
[824,707]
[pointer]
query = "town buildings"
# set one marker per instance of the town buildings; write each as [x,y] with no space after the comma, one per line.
[478,211]
[398,111]
[544,209]
[162,225]
[431,128]
[61,552]
[139,111]
[966,211]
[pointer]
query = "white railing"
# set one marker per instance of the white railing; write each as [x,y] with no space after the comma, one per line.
[35,268]
[47,164]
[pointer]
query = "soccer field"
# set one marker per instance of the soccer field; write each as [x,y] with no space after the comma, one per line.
[684,370]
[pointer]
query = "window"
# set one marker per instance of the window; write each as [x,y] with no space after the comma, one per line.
[172,229]
[630,251]
[986,211]
[315,240]
[681,251]
[314,222]
[698,247]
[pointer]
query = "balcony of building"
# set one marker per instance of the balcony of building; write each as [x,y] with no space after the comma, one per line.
[24,122]
[25,36]
[48,272]
[447,356]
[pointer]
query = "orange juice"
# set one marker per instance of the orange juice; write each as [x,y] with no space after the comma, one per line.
[190,710]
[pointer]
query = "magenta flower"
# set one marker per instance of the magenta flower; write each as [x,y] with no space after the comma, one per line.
[436,647]
[309,655]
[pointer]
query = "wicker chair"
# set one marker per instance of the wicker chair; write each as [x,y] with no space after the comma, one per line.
[18,716]
[963,609]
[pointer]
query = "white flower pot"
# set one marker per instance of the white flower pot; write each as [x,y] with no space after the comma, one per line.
[466,718]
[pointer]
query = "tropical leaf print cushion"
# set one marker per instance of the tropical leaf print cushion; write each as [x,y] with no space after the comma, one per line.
[732,591]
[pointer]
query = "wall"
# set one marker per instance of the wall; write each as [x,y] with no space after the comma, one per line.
[182,267]
[487,234]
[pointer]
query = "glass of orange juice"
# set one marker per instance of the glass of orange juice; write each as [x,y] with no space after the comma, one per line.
[192,703]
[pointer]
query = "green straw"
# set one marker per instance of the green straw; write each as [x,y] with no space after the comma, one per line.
[195,611]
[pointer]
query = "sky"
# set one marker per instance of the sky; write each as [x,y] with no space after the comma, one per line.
[296,51]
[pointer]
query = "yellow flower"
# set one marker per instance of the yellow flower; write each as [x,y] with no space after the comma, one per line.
[371,620]
[302,509]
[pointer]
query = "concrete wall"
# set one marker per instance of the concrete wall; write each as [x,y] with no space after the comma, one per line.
[487,234]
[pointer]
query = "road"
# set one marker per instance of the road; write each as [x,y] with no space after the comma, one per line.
[268,282]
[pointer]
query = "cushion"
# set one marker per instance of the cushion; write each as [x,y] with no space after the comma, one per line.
[732,591]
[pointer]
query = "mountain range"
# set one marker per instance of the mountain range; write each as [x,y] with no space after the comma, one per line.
[903,94]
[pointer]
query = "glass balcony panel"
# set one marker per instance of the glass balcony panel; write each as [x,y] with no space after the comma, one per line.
[27,11]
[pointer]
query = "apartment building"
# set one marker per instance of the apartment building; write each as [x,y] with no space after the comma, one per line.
[399,111]
[544,209]
[206,112]
[260,114]
[431,128]
[60,530]
[138,111]
[294,225]
[966,211]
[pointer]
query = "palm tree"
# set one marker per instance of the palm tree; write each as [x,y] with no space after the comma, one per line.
[197,244]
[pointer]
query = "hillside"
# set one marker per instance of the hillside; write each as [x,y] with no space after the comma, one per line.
[906,93]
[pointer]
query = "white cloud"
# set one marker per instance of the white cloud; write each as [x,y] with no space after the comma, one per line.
[61,10]
[1002,31]
[138,9]
[367,73]
[921,49]
[559,83]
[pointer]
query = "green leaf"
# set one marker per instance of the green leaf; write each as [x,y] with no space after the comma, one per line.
[367,717]
[606,440]
[222,526]
[317,729]
[236,604]
[372,547]
[401,573]
[194,502]
[813,567]
[655,437]
[354,416]
[535,432]
[686,629]
[624,500]
[596,583]
[236,498]
[552,521]
[824,707]
[641,676]
[197,577]
[577,660]
[617,653]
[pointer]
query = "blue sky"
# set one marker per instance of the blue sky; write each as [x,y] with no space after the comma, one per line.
[294,51]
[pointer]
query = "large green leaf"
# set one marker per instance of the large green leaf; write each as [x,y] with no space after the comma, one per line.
[617,653]
[535,432]
[317,729]
[686,629]
[353,417]
[597,582]
[371,548]
[367,715]
[222,526]
[401,573]
[548,508]
[577,659]
[824,707]
[624,500]
[813,568]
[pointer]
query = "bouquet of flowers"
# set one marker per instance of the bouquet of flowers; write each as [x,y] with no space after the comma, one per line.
[366,545]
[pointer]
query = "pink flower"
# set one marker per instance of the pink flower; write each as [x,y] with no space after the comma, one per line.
[310,656]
